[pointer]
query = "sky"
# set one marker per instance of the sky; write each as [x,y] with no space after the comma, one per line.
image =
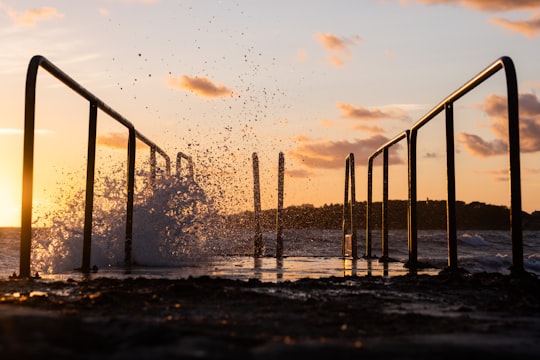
[315,80]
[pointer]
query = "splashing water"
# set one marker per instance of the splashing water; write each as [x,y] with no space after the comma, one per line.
[172,219]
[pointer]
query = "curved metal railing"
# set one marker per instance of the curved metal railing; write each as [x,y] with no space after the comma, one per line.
[411,134]
[28,162]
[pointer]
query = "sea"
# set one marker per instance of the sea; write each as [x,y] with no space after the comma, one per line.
[178,233]
[307,253]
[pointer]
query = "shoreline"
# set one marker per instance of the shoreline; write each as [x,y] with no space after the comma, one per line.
[408,316]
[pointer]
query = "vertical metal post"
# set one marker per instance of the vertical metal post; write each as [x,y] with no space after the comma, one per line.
[412,213]
[384,205]
[90,177]
[352,209]
[279,211]
[368,207]
[515,167]
[130,196]
[28,168]
[257,242]
[451,225]
[153,166]
[345,218]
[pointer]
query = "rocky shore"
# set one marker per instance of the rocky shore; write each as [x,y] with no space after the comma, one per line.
[370,317]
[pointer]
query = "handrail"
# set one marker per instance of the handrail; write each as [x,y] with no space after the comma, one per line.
[28,162]
[384,224]
[258,244]
[514,165]
[279,208]
[349,211]
[179,156]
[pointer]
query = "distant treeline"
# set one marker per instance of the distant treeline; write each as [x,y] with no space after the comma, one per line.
[431,216]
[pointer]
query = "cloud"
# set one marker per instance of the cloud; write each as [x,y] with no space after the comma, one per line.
[327,124]
[103,11]
[496,110]
[361,113]
[337,46]
[31,16]
[369,129]
[301,55]
[528,28]
[431,155]
[299,173]
[477,146]
[116,141]
[137,1]
[199,85]
[326,154]
[113,140]
[489,5]
[498,175]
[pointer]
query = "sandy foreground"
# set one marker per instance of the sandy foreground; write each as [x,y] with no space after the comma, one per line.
[445,316]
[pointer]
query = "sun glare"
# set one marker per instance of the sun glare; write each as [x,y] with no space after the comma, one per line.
[10,204]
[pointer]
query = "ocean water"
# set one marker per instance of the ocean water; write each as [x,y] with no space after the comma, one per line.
[178,232]
[307,253]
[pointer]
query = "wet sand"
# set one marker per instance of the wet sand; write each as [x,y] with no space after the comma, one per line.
[364,317]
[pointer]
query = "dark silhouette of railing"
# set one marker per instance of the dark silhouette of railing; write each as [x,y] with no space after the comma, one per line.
[28,163]
[189,160]
[258,243]
[384,223]
[411,135]
[349,242]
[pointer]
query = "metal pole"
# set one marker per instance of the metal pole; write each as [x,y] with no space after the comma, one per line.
[412,213]
[451,189]
[515,166]
[384,205]
[130,196]
[345,218]
[352,212]
[28,168]
[279,214]
[258,243]
[368,207]
[153,165]
[90,177]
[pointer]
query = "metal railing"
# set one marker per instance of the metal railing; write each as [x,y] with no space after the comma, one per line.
[28,163]
[258,243]
[384,213]
[179,156]
[349,242]
[514,168]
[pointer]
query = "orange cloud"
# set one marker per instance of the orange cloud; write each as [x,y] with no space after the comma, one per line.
[115,140]
[326,154]
[199,85]
[301,55]
[496,109]
[358,112]
[139,1]
[337,46]
[298,173]
[477,146]
[489,5]
[327,123]
[31,16]
[369,129]
[528,28]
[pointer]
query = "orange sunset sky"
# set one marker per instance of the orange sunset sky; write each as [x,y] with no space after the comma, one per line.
[316,80]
